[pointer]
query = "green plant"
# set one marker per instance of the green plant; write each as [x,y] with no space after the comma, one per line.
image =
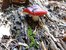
[31,36]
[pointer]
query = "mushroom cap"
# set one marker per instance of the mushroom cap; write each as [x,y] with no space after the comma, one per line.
[35,10]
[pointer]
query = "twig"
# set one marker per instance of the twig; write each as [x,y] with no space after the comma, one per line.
[43,46]
[62,43]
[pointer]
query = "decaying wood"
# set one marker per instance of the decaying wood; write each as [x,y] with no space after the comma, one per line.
[5,4]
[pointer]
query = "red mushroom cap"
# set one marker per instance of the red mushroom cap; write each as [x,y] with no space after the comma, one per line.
[35,10]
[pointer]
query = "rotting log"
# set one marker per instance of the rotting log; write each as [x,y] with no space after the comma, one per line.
[7,3]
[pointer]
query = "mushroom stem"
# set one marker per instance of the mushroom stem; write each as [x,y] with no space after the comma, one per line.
[35,18]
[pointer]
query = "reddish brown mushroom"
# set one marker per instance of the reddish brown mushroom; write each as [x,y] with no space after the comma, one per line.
[35,11]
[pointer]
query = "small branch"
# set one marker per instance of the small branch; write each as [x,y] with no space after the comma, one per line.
[43,46]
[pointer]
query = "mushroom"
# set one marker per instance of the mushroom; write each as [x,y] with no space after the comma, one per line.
[35,11]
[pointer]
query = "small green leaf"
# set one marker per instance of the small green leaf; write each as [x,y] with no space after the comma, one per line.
[31,36]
